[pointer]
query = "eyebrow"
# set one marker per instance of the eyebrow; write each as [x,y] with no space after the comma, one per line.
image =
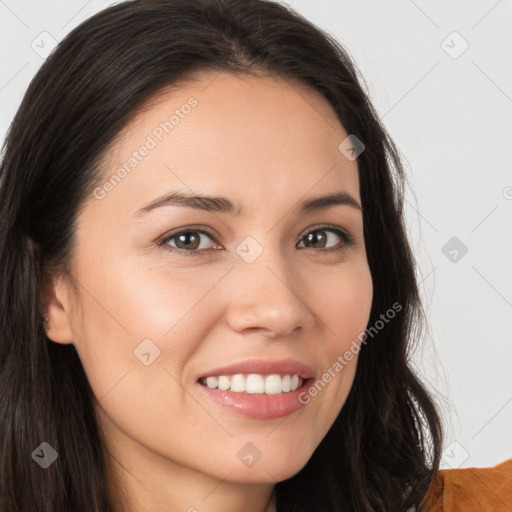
[223,205]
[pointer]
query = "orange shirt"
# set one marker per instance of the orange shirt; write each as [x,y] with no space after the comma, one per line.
[471,490]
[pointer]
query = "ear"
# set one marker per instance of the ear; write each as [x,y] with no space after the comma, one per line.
[57,308]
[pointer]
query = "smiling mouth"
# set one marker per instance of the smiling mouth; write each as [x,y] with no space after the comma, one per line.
[254,383]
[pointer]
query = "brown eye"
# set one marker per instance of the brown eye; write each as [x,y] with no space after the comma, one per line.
[190,239]
[321,238]
[188,242]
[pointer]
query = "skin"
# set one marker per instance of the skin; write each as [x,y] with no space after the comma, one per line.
[266,144]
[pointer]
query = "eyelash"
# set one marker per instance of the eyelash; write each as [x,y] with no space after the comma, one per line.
[346,237]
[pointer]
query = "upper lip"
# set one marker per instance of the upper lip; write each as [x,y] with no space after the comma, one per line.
[263,367]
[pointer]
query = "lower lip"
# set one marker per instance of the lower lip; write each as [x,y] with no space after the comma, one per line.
[259,405]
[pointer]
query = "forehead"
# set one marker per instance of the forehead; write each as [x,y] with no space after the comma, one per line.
[233,132]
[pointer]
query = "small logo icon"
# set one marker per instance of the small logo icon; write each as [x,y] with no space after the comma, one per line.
[146,352]
[351,147]
[454,45]
[44,455]
[454,455]
[249,455]
[43,44]
[249,249]
[454,249]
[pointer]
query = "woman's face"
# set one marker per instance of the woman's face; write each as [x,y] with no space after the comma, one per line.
[263,286]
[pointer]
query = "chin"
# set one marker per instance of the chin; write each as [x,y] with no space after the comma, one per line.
[271,471]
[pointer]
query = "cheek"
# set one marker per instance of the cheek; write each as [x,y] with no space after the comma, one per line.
[142,321]
[157,310]
[342,298]
[344,310]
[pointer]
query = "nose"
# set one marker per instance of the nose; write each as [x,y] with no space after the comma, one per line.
[269,298]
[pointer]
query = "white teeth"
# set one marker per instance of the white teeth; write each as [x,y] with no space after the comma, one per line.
[254,383]
[237,383]
[211,382]
[224,383]
[273,385]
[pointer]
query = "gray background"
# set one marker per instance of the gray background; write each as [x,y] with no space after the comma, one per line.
[440,76]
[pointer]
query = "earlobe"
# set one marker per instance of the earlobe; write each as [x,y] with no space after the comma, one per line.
[57,311]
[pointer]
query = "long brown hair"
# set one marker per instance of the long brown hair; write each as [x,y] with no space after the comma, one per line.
[384,448]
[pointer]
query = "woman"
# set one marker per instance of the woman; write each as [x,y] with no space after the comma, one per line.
[135,377]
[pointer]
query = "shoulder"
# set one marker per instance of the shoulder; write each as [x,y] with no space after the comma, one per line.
[471,490]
